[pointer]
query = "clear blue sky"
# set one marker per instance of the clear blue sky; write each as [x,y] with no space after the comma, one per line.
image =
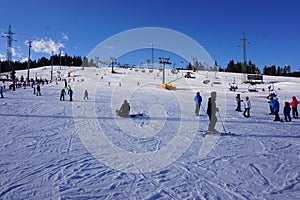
[271,27]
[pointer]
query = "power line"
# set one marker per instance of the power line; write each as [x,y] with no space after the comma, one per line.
[9,36]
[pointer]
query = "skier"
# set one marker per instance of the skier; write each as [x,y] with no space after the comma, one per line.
[276,107]
[238,101]
[294,105]
[198,101]
[66,84]
[71,94]
[211,112]
[271,103]
[124,110]
[69,88]
[86,95]
[1,92]
[38,90]
[247,106]
[287,112]
[62,94]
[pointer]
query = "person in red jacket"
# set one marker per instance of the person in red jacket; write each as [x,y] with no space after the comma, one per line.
[294,105]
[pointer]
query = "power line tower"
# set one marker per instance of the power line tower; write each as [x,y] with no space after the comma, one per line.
[9,35]
[244,42]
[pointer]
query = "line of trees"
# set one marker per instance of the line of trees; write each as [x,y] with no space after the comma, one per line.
[66,60]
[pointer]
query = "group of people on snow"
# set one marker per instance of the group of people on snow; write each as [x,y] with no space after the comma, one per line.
[247,105]
[274,106]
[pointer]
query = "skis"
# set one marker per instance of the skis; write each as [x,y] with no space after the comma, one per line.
[204,133]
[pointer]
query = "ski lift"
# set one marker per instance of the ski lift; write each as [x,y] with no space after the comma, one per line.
[252,87]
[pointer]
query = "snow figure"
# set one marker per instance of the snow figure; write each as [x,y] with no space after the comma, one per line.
[271,104]
[247,106]
[238,102]
[38,90]
[276,109]
[211,112]
[1,92]
[294,105]
[287,112]
[124,110]
[71,94]
[86,95]
[198,101]
[62,94]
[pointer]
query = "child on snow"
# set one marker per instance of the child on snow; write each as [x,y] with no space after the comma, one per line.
[238,101]
[287,112]
[271,103]
[86,95]
[247,106]
[62,94]
[198,101]
[38,90]
[294,105]
[1,92]
[276,109]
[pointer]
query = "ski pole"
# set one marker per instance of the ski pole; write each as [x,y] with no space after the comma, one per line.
[222,122]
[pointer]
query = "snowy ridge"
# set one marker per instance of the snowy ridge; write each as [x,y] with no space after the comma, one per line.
[53,149]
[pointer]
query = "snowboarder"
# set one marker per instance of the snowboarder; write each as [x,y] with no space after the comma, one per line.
[198,101]
[71,94]
[271,104]
[247,106]
[287,112]
[238,101]
[62,94]
[1,92]
[86,95]
[294,105]
[124,110]
[38,90]
[276,107]
[211,112]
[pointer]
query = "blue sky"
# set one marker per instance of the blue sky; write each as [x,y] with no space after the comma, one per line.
[76,27]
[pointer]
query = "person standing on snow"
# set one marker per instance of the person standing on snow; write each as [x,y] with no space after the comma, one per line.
[238,101]
[247,106]
[287,112]
[38,90]
[69,88]
[86,95]
[62,94]
[271,103]
[294,105]
[198,101]
[211,112]
[71,94]
[1,92]
[276,107]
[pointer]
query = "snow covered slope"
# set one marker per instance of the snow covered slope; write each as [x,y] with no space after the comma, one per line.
[52,149]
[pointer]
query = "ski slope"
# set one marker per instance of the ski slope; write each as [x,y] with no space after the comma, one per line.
[53,149]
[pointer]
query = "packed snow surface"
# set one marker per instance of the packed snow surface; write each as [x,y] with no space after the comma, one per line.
[52,149]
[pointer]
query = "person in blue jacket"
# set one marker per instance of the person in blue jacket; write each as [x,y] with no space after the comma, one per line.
[198,101]
[276,107]
[1,92]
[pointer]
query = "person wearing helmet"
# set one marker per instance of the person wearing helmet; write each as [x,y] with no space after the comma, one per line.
[276,109]
[294,105]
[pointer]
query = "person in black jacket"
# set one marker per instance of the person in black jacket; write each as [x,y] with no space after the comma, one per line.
[211,112]
[287,112]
